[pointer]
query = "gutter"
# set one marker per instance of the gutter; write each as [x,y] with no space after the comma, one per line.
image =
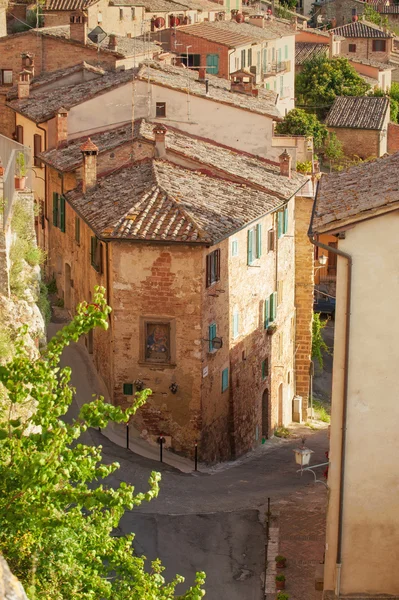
[348,258]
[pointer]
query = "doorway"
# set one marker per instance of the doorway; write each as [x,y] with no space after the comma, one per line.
[265,414]
[67,286]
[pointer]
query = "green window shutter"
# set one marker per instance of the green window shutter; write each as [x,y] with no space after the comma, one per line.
[128,389]
[258,240]
[234,248]
[250,246]
[62,213]
[263,369]
[274,313]
[271,308]
[285,217]
[267,313]
[211,335]
[93,245]
[285,52]
[242,59]
[225,379]
[249,57]
[279,224]
[55,209]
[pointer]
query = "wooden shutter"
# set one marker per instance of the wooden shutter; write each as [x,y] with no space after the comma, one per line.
[285,222]
[225,379]
[19,134]
[258,240]
[37,148]
[62,213]
[93,245]
[271,308]
[270,240]
[274,306]
[55,209]
[267,313]
[208,270]
[279,224]
[100,257]
[250,244]
[211,335]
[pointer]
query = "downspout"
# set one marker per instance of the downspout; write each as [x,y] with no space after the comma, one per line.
[348,258]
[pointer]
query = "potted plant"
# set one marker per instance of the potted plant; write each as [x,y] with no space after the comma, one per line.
[282,596]
[20,171]
[280,561]
[271,329]
[280,582]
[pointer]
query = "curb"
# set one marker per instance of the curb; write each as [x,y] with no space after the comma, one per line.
[272,543]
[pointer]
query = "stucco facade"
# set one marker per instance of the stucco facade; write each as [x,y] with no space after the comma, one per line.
[370,517]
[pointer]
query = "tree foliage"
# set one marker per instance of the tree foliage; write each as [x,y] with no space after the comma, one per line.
[322,80]
[57,516]
[393,95]
[299,122]
[318,344]
[373,16]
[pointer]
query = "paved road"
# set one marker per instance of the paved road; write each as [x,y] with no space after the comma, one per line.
[210,522]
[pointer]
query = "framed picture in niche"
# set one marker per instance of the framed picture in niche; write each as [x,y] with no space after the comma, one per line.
[157,342]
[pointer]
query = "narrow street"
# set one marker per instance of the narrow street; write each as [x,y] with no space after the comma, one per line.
[211,522]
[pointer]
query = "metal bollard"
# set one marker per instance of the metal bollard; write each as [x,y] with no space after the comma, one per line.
[196,456]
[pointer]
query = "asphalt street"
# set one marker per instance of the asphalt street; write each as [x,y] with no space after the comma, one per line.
[211,522]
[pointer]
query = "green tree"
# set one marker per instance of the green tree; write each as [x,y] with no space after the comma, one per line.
[322,80]
[299,122]
[393,95]
[333,148]
[373,16]
[57,516]
[318,344]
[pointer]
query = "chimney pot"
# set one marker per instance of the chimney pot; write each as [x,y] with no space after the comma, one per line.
[255,92]
[160,132]
[129,35]
[89,151]
[112,43]
[285,164]
[24,84]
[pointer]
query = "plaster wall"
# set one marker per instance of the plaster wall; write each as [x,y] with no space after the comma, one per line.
[371,522]
[383,78]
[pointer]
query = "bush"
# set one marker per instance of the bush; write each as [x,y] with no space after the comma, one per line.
[280,577]
[282,432]
[43,303]
[299,122]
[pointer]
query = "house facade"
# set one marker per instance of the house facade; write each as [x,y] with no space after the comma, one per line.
[365,40]
[208,324]
[356,206]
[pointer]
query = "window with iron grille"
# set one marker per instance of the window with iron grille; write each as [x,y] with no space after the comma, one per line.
[160,110]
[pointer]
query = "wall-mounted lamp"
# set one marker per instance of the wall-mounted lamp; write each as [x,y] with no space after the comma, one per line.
[139,385]
[217,342]
[323,260]
[173,388]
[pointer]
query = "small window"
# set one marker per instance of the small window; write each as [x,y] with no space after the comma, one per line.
[211,336]
[121,14]
[270,311]
[282,222]
[37,148]
[249,57]
[286,52]
[62,214]
[59,211]
[19,134]
[354,12]
[128,389]
[379,45]
[55,209]
[270,240]
[160,110]
[265,368]
[96,254]
[254,243]
[225,379]
[236,321]
[352,47]
[212,267]
[133,13]
[234,248]
[5,77]
[157,342]
[77,230]
[242,59]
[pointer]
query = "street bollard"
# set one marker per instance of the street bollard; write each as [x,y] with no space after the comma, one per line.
[161,441]
[127,437]
[196,457]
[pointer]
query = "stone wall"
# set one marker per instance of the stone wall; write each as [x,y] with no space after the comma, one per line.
[358,142]
[364,49]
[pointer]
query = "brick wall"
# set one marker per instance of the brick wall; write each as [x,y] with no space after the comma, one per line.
[7,117]
[358,142]
[340,9]
[204,47]
[364,49]
[393,137]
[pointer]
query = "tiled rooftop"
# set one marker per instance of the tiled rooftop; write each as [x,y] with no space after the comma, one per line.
[157,201]
[358,112]
[359,192]
[307,50]
[41,106]
[178,78]
[361,29]
[393,9]
[204,6]
[68,4]
[233,34]
[248,168]
[53,76]
[165,6]
[372,63]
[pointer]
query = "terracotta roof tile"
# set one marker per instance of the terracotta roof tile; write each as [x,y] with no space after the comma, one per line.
[350,196]
[307,50]
[358,112]
[361,29]
[157,201]
[88,146]
[233,34]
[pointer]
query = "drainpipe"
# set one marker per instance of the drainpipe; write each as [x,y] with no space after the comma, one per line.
[348,258]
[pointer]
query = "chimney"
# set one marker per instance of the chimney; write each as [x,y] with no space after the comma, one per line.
[61,127]
[89,151]
[294,23]
[160,132]
[78,27]
[257,20]
[24,84]
[28,63]
[255,92]
[112,43]
[285,164]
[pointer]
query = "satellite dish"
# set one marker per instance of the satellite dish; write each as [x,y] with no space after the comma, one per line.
[97,35]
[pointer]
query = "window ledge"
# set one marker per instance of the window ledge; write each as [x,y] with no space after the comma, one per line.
[146,363]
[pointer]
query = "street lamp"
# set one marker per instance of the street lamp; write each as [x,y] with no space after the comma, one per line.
[323,260]
[302,458]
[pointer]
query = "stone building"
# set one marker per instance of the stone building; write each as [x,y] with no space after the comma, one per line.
[360,208]
[338,11]
[365,40]
[360,124]
[195,243]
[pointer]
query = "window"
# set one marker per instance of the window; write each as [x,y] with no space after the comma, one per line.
[254,243]
[96,254]
[157,342]
[59,211]
[270,309]
[77,230]
[265,368]
[258,62]
[268,86]
[133,14]
[282,222]
[242,59]
[379,45]
[234,248]
[160,110]
[249,57]
[37,148]
[128,389]
[286,52]
[121,14]
[5,77]
[354,12]
[352,48]
[62,214]
[19,134]
[236,320]
[281,86]
[270,240]
[212,267]
[225,379]
[211,336]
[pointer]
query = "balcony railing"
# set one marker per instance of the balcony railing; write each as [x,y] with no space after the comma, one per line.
[276,67]
[9,150]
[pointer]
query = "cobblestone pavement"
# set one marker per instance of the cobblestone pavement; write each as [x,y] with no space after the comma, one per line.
[302,538]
